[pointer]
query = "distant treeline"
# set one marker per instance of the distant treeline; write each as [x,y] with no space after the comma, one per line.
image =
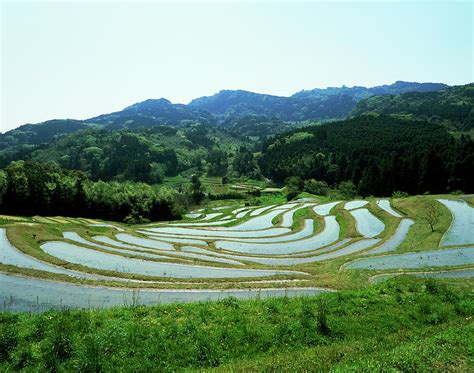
[31,188]
[379,154]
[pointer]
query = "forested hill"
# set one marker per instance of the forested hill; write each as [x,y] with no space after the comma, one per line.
[34,134]
[142,154]
[226,108]
[153,112]
[146,114]
[316,104]
[379,154]
[234,104]
[359,93]
[452,107]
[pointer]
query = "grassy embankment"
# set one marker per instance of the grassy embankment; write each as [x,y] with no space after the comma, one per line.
[403,324]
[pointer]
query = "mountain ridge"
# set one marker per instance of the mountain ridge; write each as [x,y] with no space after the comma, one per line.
[414,86]
[225,106]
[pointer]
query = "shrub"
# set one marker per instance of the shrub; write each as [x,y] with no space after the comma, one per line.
[208,352]
[464,307]
[228,195]
[22,357]
[8,340]
[291,195]
[431,311]
[347,189]
[399,194]
[317,187]
[294,185]
[89,357]
[57,345]
[230,302]
[323,326]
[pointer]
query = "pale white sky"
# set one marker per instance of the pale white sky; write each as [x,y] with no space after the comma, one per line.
[81,59]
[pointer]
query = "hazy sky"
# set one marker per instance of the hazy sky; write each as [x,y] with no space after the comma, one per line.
[80,59]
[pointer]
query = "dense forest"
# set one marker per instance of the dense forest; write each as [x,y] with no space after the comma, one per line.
[144,154]
[257,128]
[379,154]
[452,107]
[29,188]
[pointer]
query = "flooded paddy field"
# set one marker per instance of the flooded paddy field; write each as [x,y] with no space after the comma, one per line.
[315,245]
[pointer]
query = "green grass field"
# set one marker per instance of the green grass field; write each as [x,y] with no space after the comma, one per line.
[401,325]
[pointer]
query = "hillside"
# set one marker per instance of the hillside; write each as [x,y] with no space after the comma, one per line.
[380,155]
[317,104]
[358,93]
[258,127]
[231,104]
[141,154]
[144,114]
[153,112]
[34,134]
[221,135]
[452,107]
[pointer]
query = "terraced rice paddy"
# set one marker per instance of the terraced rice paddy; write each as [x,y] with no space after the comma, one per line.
[215,233]
[108,226]
[188,241]
[301,244]
[461,231]
[104,261]
[352,205]
[324,209]
[28,294]
[384,204]
[260,210]
[145,242]
[367,224]
[393,242]
[459,273]
[11,256]
[435,258]
[192,216]
[455,274]
[329,235]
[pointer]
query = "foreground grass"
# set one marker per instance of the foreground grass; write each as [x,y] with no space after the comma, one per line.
[403,324]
